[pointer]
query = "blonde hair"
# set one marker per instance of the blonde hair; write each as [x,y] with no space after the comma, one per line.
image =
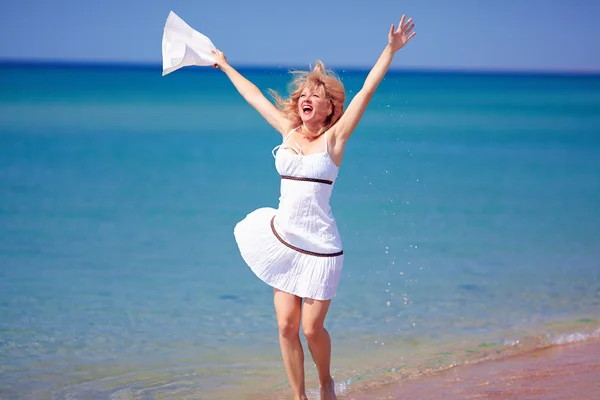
[319,76]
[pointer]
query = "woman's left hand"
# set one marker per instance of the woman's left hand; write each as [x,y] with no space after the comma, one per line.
[397,39]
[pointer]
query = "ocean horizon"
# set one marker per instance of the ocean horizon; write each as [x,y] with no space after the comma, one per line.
[116,64]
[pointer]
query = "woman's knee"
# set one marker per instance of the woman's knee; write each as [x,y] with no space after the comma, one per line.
[288,328]
[312,330]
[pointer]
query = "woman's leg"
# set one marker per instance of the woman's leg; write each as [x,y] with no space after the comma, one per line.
[288,309]
[319,343]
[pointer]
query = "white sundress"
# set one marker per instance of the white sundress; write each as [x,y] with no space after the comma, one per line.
[296,248]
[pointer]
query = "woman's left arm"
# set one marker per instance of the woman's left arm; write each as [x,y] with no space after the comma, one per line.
[396,40]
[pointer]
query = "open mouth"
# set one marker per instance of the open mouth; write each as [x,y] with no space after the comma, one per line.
[306,109]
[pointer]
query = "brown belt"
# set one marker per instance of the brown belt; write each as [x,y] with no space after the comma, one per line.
[295,178]
[299,250]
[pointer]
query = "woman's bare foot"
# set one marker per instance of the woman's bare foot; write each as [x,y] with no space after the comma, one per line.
[327,390]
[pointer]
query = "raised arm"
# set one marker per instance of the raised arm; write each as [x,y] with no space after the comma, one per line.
[396,40]
[253,95]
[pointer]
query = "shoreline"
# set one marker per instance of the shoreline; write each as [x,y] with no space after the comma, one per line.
[560,372]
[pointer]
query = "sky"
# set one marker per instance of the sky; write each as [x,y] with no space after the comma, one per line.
[540,35]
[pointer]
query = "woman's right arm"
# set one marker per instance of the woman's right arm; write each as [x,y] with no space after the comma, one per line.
[253,95]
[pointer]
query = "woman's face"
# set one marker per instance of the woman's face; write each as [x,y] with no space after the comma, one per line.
[313,105]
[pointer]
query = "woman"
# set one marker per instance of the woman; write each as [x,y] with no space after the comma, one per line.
[296,249]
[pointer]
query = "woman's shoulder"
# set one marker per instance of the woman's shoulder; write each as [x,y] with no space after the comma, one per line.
[287,127]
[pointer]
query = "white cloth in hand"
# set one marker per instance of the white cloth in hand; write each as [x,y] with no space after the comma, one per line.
[182,46]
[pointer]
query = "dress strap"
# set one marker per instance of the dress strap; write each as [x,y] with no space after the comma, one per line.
[326,143]
[274,151]
[288,135]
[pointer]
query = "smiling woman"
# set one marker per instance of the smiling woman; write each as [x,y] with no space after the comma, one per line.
[319,86]
[297,249]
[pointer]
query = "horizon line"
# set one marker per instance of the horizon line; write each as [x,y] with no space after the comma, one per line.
[111,64]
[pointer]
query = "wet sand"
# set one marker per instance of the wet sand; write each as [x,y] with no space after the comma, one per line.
[556,373]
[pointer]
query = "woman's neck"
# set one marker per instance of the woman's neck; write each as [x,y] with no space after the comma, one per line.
[311,132]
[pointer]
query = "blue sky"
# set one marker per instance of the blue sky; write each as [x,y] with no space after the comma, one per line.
[550,35]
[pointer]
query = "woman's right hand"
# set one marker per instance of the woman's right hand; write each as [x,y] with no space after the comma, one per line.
[220,60]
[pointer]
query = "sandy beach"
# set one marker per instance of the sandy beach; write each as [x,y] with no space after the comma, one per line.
[559,372]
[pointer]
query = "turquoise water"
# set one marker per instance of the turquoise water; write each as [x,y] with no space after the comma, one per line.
[469,207]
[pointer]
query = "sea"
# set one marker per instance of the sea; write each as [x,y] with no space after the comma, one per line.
[468,203]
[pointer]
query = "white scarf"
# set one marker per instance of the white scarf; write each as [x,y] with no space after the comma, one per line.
[182,46]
